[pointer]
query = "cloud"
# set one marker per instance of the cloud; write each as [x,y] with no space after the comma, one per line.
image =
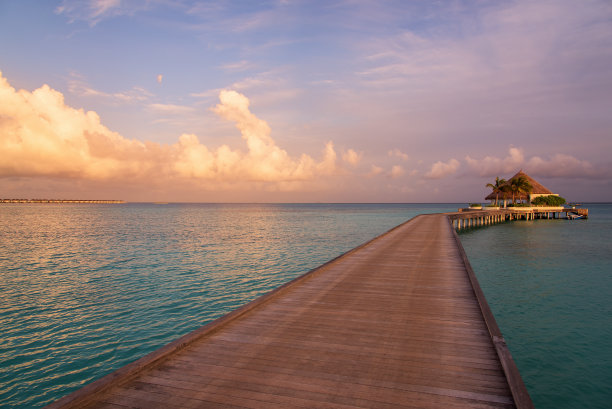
[496,65]
[396,171]
[78,86]
[375,170]
[271,87]
[352,157]
[441,169]
[398,154]
[242,65]
[559,165]
[494,166]
[171,109]
[40,136]
[94,11]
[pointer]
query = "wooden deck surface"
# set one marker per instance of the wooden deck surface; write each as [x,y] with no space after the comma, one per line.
[392,324]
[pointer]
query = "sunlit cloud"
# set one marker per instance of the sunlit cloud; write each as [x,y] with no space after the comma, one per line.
[41,136]
[559,165]
[403,81]
[171,109]
[442,169]
[494,166]
[397,171]
[398,154]
[271,87]
[352,157]
[375,170]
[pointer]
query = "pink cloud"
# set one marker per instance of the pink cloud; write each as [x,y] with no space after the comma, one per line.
[398,154]
[396,171]
[559,165]
[492,165]
[351,157]
[442,169]
[375,170]
[40,136]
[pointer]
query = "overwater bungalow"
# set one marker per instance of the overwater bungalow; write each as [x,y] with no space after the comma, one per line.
[507,194]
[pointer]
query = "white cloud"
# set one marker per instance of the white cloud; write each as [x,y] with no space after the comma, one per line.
[41,136]
[442,169]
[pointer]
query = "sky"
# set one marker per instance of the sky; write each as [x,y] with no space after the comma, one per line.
[303,101]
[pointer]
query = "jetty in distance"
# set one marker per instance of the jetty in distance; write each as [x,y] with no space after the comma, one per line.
[464,218]
[62,201]
[398,322]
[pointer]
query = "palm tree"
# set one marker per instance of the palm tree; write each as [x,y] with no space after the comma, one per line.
[496,187]
[519,185]
[505,189]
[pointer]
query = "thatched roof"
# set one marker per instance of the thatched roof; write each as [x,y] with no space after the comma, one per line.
[538,189]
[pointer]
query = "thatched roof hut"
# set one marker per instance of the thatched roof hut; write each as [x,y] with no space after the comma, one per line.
[538,190]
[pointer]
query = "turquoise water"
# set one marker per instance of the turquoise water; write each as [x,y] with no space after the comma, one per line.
[86,289]
[549,284]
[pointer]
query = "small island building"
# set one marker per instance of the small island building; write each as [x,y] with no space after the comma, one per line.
[502,194]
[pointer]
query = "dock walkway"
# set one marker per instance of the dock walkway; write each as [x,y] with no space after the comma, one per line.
[398,322]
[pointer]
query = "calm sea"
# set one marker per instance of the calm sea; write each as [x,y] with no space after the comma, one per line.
[86,289]
[549,284]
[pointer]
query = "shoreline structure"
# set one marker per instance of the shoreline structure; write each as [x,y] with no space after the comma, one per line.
[94,201]
[472,218]
[399,320]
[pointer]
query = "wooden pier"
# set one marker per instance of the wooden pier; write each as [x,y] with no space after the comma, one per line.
[473,218]
[399,322]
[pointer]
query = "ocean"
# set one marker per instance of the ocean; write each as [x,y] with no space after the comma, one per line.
[549,285]
[86,289]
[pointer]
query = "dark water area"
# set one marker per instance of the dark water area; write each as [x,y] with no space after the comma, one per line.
[549,284]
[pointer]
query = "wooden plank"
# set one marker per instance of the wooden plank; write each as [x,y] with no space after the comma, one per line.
[345,372]
[396,322]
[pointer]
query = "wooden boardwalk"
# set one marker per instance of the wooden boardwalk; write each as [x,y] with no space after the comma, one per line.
[395,323]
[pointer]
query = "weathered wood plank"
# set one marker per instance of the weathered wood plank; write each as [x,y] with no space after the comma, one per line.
[329,371]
